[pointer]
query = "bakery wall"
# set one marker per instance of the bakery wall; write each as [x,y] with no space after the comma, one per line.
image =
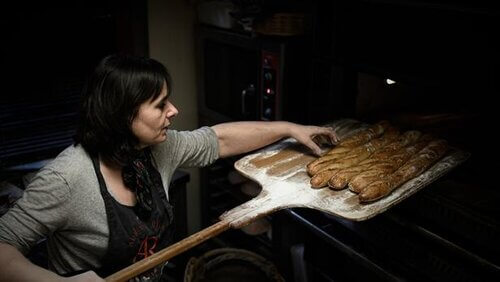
[171,41]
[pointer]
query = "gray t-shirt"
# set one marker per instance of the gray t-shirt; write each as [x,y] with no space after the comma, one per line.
[63,202]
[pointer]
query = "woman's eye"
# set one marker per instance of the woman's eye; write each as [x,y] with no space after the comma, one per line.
[162,105]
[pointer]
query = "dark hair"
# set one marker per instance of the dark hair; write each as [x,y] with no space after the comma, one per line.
[111,100]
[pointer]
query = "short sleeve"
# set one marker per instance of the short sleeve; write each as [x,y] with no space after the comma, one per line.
[195,148]
[39,213]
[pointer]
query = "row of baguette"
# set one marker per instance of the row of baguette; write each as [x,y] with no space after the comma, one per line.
[376,160]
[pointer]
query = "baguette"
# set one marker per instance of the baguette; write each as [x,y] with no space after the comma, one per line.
[373,173]
[345,146]
[342,177]
[338,150]
[348,161]
[320,180]
[362,152]
[314,166]
[417,164]
[379,171]
[375,161]
[407,138]
[365,135]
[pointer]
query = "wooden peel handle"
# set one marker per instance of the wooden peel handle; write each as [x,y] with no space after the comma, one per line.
[168,253]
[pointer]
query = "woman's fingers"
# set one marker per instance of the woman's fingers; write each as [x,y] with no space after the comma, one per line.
[313,146]
[314,136]
[329,133]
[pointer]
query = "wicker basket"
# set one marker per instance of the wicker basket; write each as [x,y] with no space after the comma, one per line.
[229,264]
[282,24]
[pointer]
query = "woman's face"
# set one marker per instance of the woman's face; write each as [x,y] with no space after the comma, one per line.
[151,123]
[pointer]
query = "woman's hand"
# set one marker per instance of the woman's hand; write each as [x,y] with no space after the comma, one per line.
[307,134]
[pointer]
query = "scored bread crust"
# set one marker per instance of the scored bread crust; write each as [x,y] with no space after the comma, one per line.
[373,173]
[363,152]
[378,158]
[365,135]
[321,177]
[347,145]
[417,164]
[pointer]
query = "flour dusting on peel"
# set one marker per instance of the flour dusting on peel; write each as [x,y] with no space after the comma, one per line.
[284,188]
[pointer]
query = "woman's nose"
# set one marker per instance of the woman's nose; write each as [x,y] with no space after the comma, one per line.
[172,111]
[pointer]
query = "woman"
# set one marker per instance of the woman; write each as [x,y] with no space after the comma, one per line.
[103,202]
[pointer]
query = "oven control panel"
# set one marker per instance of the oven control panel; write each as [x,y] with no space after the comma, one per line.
[270,94]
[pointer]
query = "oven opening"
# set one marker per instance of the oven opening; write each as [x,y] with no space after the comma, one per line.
[457,114]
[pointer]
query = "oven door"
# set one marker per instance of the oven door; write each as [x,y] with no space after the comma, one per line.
[230,66]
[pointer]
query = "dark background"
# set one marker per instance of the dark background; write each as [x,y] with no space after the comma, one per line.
[46,54]
[444,56]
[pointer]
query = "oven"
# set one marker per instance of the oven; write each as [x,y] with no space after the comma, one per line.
[435,72]
[243,76]
[430,67]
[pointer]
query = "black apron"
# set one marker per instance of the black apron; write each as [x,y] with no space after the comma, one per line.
[130,238]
